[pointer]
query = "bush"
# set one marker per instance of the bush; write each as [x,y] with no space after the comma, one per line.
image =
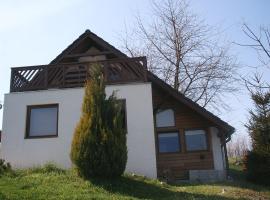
[99,142]
[4,167]
[257,166]
[47,168]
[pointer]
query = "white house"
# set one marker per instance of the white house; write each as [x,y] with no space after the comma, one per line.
[168,135]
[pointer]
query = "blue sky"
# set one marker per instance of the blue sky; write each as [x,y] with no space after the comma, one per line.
[34,32]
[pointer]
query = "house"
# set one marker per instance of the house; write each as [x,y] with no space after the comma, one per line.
[168,135]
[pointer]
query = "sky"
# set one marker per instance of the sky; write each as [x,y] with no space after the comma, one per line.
[33,32]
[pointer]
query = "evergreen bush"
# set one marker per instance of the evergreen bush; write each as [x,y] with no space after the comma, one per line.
[99,142]
[257,162]
[257,166]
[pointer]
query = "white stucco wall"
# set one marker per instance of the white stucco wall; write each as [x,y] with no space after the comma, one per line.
[22,152]
[219,162]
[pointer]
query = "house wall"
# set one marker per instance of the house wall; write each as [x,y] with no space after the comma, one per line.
[219,159]
[181,164]
[21,152]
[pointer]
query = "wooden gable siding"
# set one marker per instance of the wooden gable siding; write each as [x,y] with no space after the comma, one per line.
[178,164]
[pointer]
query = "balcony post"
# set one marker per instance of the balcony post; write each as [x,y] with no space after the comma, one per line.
[11,80]
[145,68]
[46,77]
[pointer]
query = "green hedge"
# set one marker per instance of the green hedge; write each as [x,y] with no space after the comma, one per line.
[257,166]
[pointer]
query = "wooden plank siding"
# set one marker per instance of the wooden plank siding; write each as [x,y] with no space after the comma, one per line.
[178,164]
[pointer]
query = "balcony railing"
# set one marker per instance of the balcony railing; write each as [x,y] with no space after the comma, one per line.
[70,75]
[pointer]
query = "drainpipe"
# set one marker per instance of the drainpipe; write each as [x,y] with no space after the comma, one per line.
[223,145]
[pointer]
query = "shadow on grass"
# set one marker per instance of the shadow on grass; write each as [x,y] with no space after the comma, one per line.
[239,180]
[140,189]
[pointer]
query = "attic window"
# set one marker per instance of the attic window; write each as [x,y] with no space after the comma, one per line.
[165,118]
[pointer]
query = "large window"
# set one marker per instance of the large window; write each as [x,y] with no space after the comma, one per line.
[168,142]
[165,118]
[195,140]
[42,121]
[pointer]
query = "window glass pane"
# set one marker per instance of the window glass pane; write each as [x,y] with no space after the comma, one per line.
[43,121]
[168,142]
[195,140]
[165,118]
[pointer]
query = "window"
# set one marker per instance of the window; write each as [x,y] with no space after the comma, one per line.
[195,140]
[42,121]
[165,118]
[168,142]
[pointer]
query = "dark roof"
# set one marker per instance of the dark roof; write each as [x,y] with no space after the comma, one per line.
[228,129]
[87,34]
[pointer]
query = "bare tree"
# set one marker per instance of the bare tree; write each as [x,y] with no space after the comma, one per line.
[183,51]
[237,148]
[260,42]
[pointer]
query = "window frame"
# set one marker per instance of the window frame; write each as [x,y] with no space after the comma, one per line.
[169,131]
[174,118]
[206,140]
[28,121]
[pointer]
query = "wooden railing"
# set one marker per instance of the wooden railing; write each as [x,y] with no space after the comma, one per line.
[69,75]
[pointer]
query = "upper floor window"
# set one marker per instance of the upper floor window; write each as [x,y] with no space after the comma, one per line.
[195,140]
[165,118]
[42,121]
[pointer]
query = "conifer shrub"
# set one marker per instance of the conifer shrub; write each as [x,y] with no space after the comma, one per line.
[99,142]
[257,165]
[257,161]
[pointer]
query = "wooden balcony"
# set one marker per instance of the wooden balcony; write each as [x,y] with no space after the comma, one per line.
[68,75]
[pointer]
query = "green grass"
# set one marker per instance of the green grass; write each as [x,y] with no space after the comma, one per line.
[52,183]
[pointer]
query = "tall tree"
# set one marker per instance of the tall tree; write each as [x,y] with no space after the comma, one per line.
[259,41]
[257,162]
[259,123]
[99,142]
[183,51]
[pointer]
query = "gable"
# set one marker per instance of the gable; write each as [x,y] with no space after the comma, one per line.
[87,44]
[195,111]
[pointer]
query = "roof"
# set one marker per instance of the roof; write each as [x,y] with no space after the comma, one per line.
[93,36]
[228,129]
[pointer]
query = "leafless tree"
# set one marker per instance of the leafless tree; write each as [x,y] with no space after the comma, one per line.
[237,148]
[184,51]
[260,42]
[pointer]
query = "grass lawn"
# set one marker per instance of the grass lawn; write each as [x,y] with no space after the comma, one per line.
[49,183]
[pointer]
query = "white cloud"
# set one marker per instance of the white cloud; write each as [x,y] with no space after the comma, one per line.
[14,14]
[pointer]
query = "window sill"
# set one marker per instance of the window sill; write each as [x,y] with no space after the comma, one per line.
[41,137]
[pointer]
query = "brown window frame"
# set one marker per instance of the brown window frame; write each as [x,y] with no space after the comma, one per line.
[206,140]
[28,115]
[174,116]
[169,131]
